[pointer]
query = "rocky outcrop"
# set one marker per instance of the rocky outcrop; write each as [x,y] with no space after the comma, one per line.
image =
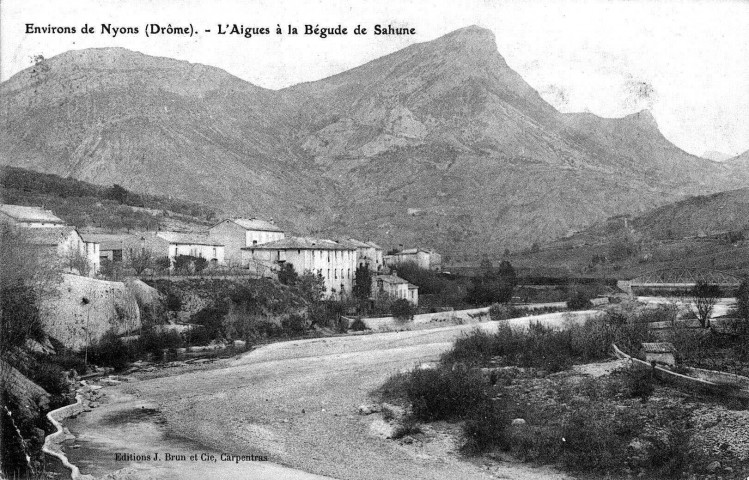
[83,309]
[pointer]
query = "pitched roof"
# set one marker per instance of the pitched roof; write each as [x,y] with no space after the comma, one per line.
[302,243]
[107,241]
[356,243]
[256,224]
[394,279]
[373,245]
[30,214]
[183,238]
[49,236]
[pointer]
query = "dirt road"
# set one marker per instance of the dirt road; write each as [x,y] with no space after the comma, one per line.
[294,402]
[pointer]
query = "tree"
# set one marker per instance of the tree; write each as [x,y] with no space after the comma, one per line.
[287,275]
[141,260]
[705,296]
[117,193]
[26,277]
[311,286]
[492,286]
[362,282]
[78,261]
[402,309]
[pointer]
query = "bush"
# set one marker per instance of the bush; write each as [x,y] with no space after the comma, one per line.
[578,301]
[503,311]
[638,383]
[408,426]
[110,351]
[402,310]
[358,325]
[50,377]
[442,394]
[485,428]
[212,319]
[294,325]
[173,302]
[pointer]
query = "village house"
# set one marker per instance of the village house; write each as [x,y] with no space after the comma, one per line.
[237,233]
[112,247]
[64,246]
[395,287]
[335,262]
[367,253]
[173,244]
[29,217]
[426,259]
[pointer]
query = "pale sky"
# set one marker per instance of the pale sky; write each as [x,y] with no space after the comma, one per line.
[687,61]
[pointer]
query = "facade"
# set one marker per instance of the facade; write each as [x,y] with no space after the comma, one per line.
[426,259]
[59,244]
[173,244]
[334,261]
[367,253]
[111,247]
[238,233]
[395,287]
[29,217]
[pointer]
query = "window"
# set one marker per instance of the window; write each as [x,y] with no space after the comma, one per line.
[116,255]
[335,273]
[214,252]
[348,273]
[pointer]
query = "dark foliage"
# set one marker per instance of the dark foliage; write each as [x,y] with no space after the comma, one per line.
[110,351]
[402,310]
[358,325]
[211,319]
[19,316]
[363,282]
[287,275]
[492,286]
[84,204]
[443,393]
[294,325]
[705,296]
[578,300]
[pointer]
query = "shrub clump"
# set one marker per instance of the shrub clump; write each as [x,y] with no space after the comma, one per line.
[110,351]
[402,310]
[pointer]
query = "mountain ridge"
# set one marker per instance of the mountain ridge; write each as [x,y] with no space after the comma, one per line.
[443,128]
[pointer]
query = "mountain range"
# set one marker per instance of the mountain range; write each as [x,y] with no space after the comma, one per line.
[440,144]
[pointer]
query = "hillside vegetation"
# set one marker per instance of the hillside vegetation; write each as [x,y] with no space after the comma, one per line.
[704,232]
[83,204]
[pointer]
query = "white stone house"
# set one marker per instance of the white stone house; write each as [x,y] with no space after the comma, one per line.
[237,233]
[334,261]
[59,244]
[395,287]
[367,253]
[29,217]
[174,244]
[426,259]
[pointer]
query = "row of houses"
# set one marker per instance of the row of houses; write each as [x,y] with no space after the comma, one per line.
[253,244]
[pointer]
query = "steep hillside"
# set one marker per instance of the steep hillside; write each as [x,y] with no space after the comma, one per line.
[440,144]
[91,207]
[158,126]
[701,232]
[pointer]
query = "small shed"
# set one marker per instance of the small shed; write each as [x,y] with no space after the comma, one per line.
[659,352]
